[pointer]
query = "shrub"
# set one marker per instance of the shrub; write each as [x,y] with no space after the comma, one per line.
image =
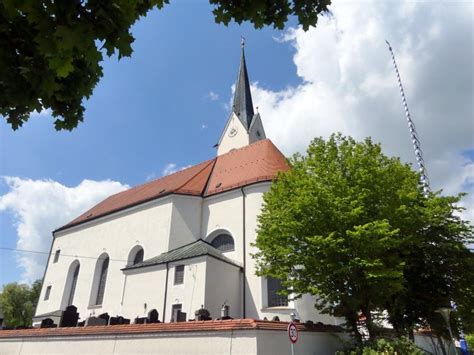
[386,346]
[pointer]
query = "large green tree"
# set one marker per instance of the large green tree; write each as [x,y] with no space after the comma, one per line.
[18,303]
[438,269]
[51,51]
[354,228]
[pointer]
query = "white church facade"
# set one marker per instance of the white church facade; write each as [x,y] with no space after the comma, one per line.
[180,242]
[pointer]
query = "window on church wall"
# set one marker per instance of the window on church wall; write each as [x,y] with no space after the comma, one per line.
[102,281]
[138,257]
[175,308]
[224,243]
[73,286]
[56,256]
[274,286]
[47,293]
[179,274]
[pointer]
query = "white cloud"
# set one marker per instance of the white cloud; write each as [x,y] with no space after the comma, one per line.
[171,168]
[150,176]
[40,206]
[348,84]
[213,96]
[203,126]
[43,112]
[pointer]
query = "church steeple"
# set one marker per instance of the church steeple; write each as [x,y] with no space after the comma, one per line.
[242,105]
[244,126]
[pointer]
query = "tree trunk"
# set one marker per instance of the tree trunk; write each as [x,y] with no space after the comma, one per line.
[357,334]
[398,326]
[352,322]
[369,322]
[398,330]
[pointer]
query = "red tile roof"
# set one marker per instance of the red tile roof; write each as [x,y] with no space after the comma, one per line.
[190,326]
[260,161]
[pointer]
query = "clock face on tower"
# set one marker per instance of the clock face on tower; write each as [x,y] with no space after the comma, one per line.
[233,131]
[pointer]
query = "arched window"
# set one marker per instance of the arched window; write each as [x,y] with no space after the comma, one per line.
[73,285]
[70,285]
[102,280]
[223,242]
[136,255]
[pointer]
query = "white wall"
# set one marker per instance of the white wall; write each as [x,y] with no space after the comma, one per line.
[207,281]
[147,285]
[235,342]
[190,294]
[305,311]
[309,343]
[147,225]
[239,140]
[254,296]
[158,226]
[223,284]
[185,220]
[144,285]
[224,212]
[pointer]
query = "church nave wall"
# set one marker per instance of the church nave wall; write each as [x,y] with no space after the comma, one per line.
[185,224]
[147,225]
[223,285]
[145,286]
[224,212]
[190,293]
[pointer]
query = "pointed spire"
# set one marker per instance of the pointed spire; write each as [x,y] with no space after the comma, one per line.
[243,106]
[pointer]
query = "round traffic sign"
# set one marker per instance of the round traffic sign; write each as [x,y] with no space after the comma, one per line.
[292,332]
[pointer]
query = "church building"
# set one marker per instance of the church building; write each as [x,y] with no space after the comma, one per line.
[181,242]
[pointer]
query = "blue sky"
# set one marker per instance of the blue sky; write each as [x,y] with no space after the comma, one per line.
[164,108]
[147,109]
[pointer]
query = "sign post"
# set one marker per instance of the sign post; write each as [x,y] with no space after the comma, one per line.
[293,335]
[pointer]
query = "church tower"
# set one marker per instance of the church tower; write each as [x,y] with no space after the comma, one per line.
[243,126]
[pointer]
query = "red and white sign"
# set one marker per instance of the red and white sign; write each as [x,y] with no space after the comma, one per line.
[292,332]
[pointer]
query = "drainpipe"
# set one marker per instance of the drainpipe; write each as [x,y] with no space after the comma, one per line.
[244,252]
[166,291]
[123,289]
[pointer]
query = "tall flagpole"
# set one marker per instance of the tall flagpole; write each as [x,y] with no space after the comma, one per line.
[421,168]
[414,135]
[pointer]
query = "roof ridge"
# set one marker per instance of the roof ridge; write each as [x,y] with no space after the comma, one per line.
[262,157]
[261,141]
[169,175]
[182,246]
[206,185]
[199,172]
[157,179]
[192,250]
